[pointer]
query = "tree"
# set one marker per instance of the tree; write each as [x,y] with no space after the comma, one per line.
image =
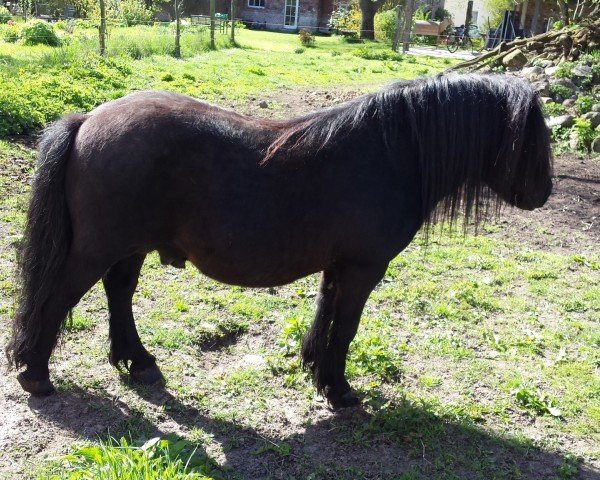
[368,9]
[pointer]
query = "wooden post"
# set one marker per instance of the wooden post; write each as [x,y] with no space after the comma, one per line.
[102,30]
[233,21]
[177,51]
[212,24]
[408,16]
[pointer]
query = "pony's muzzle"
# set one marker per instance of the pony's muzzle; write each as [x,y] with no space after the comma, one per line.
[531,202]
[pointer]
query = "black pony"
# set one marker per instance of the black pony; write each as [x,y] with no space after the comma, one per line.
[260,203]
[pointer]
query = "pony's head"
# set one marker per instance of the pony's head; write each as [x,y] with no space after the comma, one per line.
[521,175]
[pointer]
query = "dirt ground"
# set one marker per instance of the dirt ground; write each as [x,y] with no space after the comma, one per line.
[32,429]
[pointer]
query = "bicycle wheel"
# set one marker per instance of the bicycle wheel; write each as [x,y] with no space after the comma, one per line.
[452,44]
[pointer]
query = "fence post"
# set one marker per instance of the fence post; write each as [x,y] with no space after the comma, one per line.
[177,52]
[102,31]
[212,24]
[232,21]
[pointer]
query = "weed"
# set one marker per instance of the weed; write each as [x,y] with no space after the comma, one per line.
[536,401]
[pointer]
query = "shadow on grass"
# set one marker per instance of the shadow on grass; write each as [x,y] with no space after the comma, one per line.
[401,440]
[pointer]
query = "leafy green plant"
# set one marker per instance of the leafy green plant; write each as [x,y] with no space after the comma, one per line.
[306,38]
[536,401]
[554,109]
[421,14]
[157,459]
[299,50]
[371,54]
[37,32]
[584,133]
[560,90]
[564,70]
[584,104]
[5,15]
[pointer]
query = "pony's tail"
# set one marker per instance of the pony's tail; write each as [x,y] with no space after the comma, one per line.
[43,251]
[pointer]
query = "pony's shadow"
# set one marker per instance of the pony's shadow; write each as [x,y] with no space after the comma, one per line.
[402,440]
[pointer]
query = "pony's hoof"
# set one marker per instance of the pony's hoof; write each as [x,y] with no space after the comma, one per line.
[345,400]
[147,375]
[40,388]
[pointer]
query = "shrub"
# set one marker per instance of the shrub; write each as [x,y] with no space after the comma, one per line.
[385,25]
[299,50]
[5,15]
[135,12]
[306,38]
[9,33]
[37,32]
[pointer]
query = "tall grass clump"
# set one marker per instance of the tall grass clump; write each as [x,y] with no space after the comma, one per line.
[157,459]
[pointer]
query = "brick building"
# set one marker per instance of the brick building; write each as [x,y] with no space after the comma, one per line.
[272,14]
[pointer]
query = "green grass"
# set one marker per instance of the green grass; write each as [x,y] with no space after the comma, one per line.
[41,83]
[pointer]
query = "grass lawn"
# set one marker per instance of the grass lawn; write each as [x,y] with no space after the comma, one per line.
[41,83]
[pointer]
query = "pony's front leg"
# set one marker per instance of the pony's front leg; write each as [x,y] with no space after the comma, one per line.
[126,348]
[343,301]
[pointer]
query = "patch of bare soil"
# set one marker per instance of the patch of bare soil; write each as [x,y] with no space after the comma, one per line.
[33,429]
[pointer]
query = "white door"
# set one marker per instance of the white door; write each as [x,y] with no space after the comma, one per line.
[290,16]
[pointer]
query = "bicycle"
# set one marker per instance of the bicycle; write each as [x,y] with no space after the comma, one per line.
[462,39]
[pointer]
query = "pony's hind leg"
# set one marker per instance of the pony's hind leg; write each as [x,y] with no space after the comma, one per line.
[76,278]
[352,287]
[126,348]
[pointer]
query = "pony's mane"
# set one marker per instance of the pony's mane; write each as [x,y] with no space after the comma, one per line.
[458,125]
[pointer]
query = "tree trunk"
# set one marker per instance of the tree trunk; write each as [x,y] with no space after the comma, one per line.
[398,31]
[408,16]
[368,9]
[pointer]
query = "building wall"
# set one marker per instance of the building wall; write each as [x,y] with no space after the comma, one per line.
[312,14]
[458,10]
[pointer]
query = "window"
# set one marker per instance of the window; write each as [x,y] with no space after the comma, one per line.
[256,3]
[291,14]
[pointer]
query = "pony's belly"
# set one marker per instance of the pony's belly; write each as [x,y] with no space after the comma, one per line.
[251,273]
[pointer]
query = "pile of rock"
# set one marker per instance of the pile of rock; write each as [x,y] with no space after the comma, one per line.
[564,66]
[570,91]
